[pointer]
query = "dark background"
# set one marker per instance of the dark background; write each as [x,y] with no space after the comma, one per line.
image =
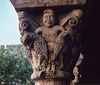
[90,68]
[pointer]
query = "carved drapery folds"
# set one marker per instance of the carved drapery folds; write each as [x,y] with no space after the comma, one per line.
[53,50]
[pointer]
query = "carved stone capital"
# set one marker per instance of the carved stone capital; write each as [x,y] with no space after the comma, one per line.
[51,41]
[53,50]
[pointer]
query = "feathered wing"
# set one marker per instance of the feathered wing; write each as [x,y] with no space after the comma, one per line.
[71,24]
[40,46]
[67,23]
[59,44]
[30,39]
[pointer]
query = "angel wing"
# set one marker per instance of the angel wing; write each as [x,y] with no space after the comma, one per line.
[40,46]
[27,27]
[66,42]
[71,23]
[59,44]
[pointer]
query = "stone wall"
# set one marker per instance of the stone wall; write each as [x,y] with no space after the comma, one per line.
[15,50]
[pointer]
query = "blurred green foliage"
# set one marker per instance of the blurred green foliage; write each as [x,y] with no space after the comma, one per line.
[14,70]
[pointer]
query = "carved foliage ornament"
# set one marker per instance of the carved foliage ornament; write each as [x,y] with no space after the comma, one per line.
[53,50]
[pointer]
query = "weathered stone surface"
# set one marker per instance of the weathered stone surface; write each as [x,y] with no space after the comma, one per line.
[53,50]
[51,83]
[51,43]
[45,3]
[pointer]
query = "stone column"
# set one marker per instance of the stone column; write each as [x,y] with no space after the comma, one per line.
[50,33]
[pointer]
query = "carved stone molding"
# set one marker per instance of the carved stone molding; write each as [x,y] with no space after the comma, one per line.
[45,3]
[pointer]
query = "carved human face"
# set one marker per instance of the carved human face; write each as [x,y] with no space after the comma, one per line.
[48,19]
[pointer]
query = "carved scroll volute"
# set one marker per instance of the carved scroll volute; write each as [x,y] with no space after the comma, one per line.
[53,50]
[27,27]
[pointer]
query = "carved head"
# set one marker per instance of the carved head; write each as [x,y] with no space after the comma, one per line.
[48,18]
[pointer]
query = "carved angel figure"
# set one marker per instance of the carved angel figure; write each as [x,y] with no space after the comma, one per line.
[52,49]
